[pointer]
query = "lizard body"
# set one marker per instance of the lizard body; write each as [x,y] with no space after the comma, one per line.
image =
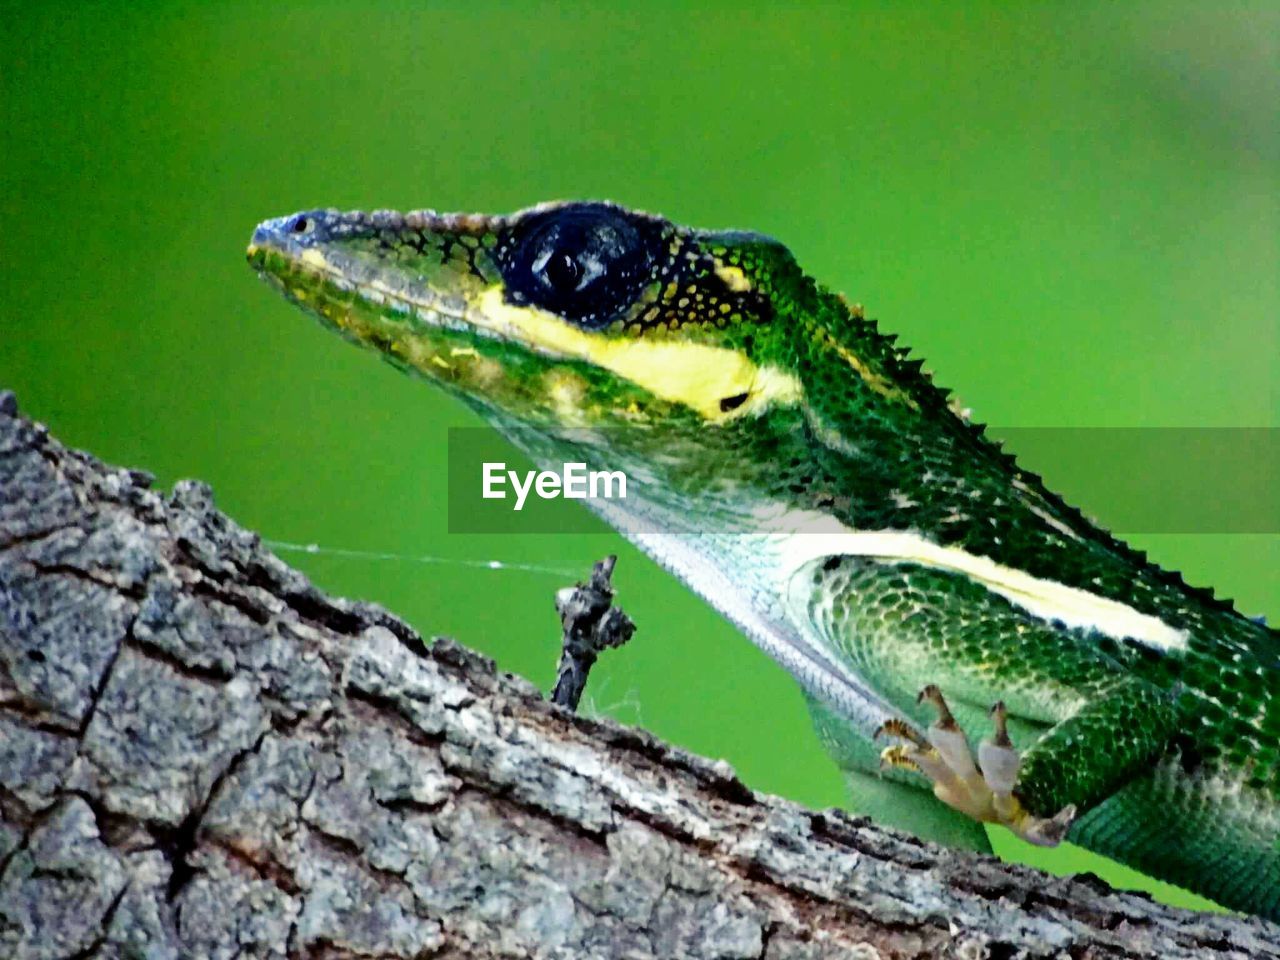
[799,470]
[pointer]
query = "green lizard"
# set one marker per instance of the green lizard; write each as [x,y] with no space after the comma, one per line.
[797,469]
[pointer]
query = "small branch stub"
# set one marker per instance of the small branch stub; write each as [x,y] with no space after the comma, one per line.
[591,624]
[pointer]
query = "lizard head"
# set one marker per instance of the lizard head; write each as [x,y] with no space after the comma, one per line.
[578,314]
[707,362]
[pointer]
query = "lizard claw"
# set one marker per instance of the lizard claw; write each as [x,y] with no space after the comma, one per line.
[898,757]
[981,788]
[900,729]
[1048,832]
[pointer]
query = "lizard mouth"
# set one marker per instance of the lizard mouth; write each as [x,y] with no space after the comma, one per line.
[305,256]
[419,320]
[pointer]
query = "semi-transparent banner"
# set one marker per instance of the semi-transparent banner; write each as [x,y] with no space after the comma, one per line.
[1127,479]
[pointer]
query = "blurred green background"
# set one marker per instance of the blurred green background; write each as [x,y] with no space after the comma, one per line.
[1069,209]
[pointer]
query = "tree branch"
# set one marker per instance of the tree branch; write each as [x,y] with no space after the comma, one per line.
[201,755]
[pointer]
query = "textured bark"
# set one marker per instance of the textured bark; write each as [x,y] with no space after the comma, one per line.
[202,755]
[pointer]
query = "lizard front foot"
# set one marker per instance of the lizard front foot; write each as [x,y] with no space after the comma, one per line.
[981,790]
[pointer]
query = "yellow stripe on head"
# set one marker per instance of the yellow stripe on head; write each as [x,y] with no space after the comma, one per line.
[697,375]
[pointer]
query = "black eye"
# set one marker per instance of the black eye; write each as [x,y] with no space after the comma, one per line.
[299,224]
[587,262]
[562,272]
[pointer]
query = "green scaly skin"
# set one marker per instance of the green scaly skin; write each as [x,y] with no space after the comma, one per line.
[807,478]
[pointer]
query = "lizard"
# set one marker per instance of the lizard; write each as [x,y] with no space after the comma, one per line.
[801,471]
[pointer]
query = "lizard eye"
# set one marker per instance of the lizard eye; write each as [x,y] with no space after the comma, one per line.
[561,272]
[586,262]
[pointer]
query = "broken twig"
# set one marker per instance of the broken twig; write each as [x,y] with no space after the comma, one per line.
[591,624]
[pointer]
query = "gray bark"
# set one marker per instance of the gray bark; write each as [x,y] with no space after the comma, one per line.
[201,755]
